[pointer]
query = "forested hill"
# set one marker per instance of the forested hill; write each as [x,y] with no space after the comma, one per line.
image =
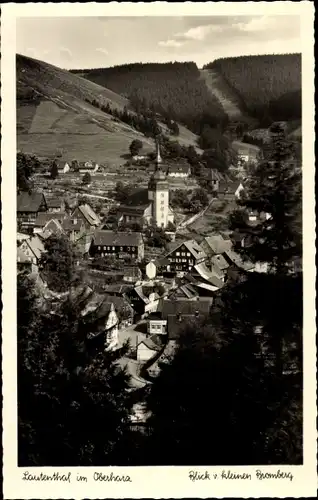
[175,88]
[265,84]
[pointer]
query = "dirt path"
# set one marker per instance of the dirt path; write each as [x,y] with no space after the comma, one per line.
[218,87]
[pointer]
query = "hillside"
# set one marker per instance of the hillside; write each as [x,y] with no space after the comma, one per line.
[173,88]
[55,117]
[263,84]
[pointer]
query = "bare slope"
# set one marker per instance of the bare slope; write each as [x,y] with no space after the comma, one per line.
[219,88]
[54,117]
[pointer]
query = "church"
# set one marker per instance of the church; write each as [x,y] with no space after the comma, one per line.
[150,206]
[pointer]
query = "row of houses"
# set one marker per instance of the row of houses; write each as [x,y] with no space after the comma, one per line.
[75,166]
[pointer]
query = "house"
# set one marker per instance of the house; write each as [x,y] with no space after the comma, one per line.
[150,206]
[156,325]
[179,171]
[143,302]
[62,166]
[74,228]
[173,314]
[55,205]
[121,244]
[183,256]
[246,152]
[215,178]
[132,274]
[215,245]
[151,270]
[88,166]
[230,190]
[147,348]
[233,258]
[100,321]
[206,276]
[53,227]
[87,215]
[29,253]
[44,217]
[29,205]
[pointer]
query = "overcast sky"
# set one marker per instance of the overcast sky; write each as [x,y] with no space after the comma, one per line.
[90,42]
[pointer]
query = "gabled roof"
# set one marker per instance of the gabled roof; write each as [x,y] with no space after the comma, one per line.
[89,215]
[208,275]
[36,245]
[219,263]
[229,187]
[43,218]
[148,342]
[193,246]
[237,260]
[217,243]
[21,236]
[68,224]
[53,226]
[30,202]
[111,238]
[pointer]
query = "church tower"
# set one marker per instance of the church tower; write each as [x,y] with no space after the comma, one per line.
[158,193]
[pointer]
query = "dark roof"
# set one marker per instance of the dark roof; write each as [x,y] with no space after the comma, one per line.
[29,202]
[138,197]
[68,224]
[228,187]
[184,308]
[176,325]
[53,202]
[120,289]
[44,218]
[111,238]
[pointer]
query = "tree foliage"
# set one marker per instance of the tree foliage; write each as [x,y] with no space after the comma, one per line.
[66,394]
[26,166]
[86,178]
[162,88]
[58,263]
[261,80]
[54,171]
[135,147]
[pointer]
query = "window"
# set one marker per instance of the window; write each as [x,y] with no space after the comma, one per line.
[108,248]
[98,248]
[188,254]
[133,249]
[121,249]
[183,254]
[102,254]
[104,248]
[162,202]
[113,248]
[128,248]
[178,253]
[184,260]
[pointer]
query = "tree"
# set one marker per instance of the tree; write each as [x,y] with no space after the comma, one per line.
[198,200]
[58,263]
[122,191]
[274,188]
[212,387]
[54,171]
[26,166]
[86,178]
[174,128]
[135,147]
[65,393]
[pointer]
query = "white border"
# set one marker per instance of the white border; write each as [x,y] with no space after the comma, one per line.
[152,482]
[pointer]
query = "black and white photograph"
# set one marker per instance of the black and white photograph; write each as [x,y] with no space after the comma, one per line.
[160,242]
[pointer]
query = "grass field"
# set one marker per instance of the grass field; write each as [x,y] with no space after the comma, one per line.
[215,218]
[54,117]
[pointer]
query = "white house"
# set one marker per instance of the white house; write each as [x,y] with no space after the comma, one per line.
[179,171]
[156,325]
[151,270]
[146,349]
[88,166]
[63,167]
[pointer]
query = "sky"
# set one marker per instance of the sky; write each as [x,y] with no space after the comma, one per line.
[93,42]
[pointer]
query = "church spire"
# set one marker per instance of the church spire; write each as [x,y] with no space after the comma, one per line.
[158,155]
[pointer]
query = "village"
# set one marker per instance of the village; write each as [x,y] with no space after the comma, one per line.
[141,296]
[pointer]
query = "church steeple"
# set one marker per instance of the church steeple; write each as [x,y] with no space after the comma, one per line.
[158,155]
